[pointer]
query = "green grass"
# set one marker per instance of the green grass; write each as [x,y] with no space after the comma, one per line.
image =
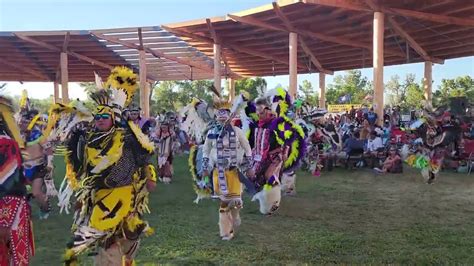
[340,217]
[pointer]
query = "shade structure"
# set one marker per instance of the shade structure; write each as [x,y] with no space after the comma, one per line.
[35,56]
[334,35]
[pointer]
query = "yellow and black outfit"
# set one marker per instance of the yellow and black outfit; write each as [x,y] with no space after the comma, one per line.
[112,169]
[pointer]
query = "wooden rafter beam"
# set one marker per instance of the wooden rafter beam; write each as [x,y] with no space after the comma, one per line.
[305,47]
[186,34]
[234,47]
[140,38]
[25,70]
[74,54]
[430,17]
[398,29]
[313,35]
[354,5]
[141,48]
[31,57]
[345,4]
[373,5]
[67,37]
[212,31]
[282,17]
[313,58]
[156,53]
[218,41]
[54,48]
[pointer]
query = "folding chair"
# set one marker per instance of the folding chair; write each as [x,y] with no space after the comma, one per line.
[353,156]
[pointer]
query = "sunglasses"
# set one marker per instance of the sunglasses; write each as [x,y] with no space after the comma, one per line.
[101,116]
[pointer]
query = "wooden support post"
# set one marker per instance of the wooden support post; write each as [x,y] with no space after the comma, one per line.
[231,90]
[378,64]
[146,100]
[56,92]
[427,82]
[322,90]
[143,84]
[293,63]
[217,67]
[64,78]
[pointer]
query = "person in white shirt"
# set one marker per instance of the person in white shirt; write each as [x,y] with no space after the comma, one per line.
[372,150]
[374,143]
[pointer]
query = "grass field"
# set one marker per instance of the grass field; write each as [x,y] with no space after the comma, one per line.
[340,217]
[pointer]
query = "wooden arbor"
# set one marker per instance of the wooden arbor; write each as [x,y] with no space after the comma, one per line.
[330,35]
[73,56]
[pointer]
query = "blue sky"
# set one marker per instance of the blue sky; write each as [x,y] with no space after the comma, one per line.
[18,15]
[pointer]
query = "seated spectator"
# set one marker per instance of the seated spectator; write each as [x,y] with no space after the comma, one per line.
[371,117]
[365,131]
[374,149]
[393,163]
[374,143]
[354,144]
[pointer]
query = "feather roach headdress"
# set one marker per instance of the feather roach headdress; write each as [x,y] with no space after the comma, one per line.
[117,92]
[280,100]
[222,104]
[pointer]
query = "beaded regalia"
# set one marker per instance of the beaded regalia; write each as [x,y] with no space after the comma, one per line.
[110,170]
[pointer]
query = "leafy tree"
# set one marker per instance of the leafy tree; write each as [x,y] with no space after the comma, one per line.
[308,93]
[88,87]
[459,87]
[187,90]
[173,95]
[398,90]
[353,84]
[415,97]
[251,85]
[163,98]
[42,105]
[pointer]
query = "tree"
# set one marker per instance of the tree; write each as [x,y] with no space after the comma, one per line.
[187,90]
[397,90]
[163,98]
[458,87]
[88,87]
[415,97]
[308,93]
[353,84]
[42,105]
[254,86]
[173,95]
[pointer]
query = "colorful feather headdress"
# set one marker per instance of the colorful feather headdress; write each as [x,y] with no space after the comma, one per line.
[24,102]
[222,104]
[280,100]
[117,92]
[7,122]
[121,85]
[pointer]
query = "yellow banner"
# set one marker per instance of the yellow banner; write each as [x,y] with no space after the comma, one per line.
[338,108]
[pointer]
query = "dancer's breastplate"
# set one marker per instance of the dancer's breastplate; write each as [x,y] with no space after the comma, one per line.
[227,150]
[262,146]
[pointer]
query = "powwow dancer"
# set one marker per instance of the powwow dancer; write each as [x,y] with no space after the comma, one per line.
[16,234]
[278,145]
[165,136]
[37,155]
[115,173]
[226,151]
[436,142]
